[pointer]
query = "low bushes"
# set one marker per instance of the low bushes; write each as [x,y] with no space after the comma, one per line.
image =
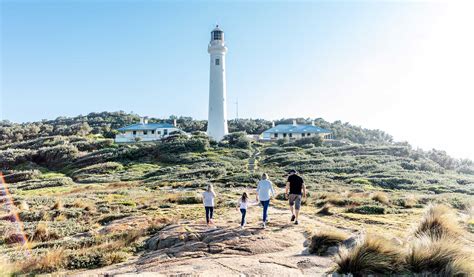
[45,183]
[56,157]
[185,199]
[237,140]
[367,209]
[20,176]
[12,157]
[101,168]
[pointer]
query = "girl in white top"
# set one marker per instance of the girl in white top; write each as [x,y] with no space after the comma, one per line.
[208,200]
[243,204]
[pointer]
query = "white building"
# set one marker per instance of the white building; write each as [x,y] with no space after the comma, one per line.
[295,131]
[145,131]
[217,120]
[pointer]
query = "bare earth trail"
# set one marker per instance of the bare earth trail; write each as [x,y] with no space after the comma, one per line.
[190,248]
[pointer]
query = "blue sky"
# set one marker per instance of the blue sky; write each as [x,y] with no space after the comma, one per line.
[397,66]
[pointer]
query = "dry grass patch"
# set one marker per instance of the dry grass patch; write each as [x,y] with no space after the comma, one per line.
[381,197]
[58,205]
[42,233]
[409,202]
[325,210]
[81,204]
[323,239]
[444,256]
[52,261]
[371,255]
[438,222]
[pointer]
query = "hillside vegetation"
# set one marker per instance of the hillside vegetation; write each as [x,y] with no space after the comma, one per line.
[86,202]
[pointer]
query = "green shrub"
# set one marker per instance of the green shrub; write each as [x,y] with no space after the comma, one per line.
[182,145]
[20,176]
[315,141]
[237,140]
[185,199]
[45,183]
[56,157]
[12,157]
[273,150]
[101,168]
[367,209]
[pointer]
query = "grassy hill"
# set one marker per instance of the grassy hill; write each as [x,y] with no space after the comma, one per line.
[86,202]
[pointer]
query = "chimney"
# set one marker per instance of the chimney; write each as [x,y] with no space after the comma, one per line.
[294,122]
[312,122]
[142,120]
[145,120]
[175,123]
[273,124]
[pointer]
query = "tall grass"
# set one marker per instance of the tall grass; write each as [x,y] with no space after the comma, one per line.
[322,239]
[439,222]
[52,261]
[381,197]
[438,256]
[371,255]
[434,247]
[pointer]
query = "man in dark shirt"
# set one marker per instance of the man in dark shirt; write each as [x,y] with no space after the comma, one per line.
[295,190]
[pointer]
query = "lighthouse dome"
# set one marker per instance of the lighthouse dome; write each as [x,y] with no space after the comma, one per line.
[217,34]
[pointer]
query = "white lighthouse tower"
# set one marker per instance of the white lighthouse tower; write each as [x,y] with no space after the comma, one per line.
[217,121]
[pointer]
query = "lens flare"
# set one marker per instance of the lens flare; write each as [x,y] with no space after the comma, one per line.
[6,198]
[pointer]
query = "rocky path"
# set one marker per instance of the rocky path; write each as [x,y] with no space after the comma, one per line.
[190,248]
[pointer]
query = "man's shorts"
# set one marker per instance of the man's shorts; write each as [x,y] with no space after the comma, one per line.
[295,199]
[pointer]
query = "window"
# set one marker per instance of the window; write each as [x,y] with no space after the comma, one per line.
[152,132]
[284,135]
[217,35]
[309,134]
[291,135]
[302,134]
[145,132]
[275,135]
[165,132]
[134,133]
[218,62]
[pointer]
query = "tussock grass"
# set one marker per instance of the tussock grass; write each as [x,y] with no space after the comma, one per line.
[42,233]
[408,202]
[52,261]
[322,239]
[371,255]
[438,256]
[58,205]
[325,210]
[434,248]
[81,204]
[381,197]
[438,222]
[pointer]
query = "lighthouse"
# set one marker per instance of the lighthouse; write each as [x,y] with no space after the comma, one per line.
[217,120]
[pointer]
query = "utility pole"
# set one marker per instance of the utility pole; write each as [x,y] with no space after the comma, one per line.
[237,109]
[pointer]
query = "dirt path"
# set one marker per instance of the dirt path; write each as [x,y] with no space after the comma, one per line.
[278,250]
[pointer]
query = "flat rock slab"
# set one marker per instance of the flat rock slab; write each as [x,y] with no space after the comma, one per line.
[190,249]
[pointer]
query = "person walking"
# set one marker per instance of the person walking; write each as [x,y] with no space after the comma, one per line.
[243,204]
[295,190]
[264,193]
[208,200]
